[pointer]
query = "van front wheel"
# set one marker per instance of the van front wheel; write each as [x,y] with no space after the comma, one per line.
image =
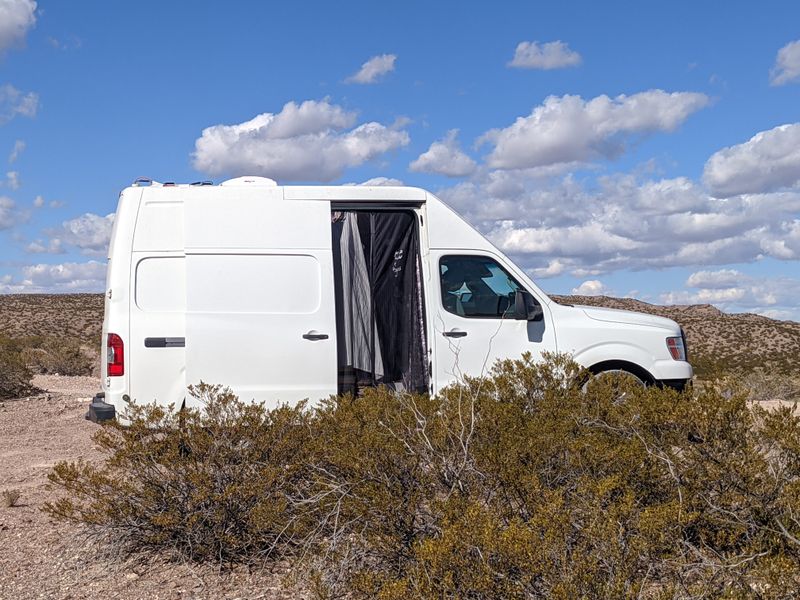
[621,382]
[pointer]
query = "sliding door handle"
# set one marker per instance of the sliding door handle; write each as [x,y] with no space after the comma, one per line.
[454,333]
[313,335]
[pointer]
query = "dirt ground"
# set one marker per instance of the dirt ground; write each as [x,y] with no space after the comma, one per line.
[43,558]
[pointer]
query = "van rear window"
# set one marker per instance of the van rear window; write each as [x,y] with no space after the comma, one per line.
[161,284]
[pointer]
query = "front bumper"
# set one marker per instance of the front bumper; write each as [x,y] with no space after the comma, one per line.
[100,411]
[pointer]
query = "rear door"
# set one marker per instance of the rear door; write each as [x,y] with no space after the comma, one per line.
[259,295]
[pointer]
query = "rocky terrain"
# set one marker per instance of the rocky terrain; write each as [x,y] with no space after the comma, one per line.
[62,315]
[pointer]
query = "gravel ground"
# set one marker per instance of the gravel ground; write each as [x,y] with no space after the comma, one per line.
[42,558]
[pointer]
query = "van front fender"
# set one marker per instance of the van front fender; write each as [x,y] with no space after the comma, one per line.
[637,360]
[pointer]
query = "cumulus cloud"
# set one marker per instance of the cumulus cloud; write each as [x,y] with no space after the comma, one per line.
[787,64]
[592,287]
[16,18]
[768,161]
[65,277]
[620,222]
[89,233]
[19,146]
[550,55]
[568,128]
[445,157]
[312,141]
[38,202]
[14,102]
[374,69]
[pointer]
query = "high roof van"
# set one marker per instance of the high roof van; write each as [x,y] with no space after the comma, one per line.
[285,293]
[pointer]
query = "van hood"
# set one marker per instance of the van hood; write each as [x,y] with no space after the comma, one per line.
[628,317]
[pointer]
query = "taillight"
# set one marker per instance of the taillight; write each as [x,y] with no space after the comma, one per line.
[676,348]
[116,355]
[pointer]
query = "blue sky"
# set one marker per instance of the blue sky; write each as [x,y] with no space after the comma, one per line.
[648,149]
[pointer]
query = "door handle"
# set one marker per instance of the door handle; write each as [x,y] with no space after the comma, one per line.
[165,342]
[313,335]
[454,333]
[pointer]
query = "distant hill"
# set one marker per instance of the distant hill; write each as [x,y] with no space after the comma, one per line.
[59,315]
[732,342]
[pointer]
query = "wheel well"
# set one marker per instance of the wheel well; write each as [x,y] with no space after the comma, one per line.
[623,365]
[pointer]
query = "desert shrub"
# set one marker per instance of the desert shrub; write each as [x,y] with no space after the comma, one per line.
[15,377]
[519,485]
[766,385]
[204,486]
[10,497]
[523,486]
[57,355]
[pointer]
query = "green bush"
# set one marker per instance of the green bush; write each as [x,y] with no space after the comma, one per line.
[15,377]
[519,485]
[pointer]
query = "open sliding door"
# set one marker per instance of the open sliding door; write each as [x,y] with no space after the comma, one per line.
[260,297]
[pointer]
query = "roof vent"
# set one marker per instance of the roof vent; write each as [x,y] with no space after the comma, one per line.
[250,180]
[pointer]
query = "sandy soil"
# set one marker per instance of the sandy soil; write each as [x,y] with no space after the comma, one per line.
[42,558]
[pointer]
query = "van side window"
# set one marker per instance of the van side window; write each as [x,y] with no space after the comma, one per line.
[476,286]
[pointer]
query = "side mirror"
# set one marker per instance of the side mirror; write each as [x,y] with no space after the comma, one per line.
[526,308]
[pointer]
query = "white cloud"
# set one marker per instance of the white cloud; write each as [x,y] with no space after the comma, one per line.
[16,18]
[445,157]
[89,233]
[768,161]
[550,55]
[787,65]
[375,68]
[618,222]
[12,180]
[382,181]
[8,213]
[568,128]
[19,146]
[52,246]
[723,278]
[592,287]
[38,202]
[14,102]
[312,141]
[64,277]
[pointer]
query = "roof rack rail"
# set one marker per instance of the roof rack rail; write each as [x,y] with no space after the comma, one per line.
[202,183]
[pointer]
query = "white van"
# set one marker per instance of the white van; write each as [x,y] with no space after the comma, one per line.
[288,293]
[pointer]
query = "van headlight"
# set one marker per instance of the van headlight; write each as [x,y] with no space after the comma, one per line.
[677,347]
